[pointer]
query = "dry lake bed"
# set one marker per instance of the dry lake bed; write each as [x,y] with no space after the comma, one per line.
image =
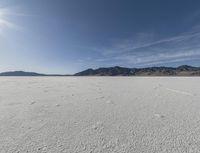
[99,114]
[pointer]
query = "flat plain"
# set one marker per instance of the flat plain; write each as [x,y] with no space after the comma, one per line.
[99,114]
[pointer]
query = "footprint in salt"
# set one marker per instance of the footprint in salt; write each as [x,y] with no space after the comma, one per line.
[109,102]
[97,125]
[57,105]
[44,148]
[159,115]
[155,87]
[33,102]
[99,97]
[112,144]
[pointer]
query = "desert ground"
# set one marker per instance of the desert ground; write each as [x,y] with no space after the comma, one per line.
[99,114]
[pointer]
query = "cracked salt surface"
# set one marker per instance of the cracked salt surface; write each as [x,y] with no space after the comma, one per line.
[132,114]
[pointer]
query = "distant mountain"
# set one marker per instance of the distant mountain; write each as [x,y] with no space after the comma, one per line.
[111,71]
[23,73]
[20,73]
[183,70]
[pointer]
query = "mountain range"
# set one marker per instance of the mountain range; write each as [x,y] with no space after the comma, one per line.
[184,70]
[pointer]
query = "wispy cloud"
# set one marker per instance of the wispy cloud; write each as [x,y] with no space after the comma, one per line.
[149,51]
[6,24]
[5,21]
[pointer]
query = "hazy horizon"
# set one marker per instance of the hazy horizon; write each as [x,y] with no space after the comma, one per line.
[68,36]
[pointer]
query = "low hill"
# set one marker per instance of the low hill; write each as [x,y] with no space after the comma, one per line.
[20,73]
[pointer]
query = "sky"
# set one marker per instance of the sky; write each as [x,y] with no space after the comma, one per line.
[68,36]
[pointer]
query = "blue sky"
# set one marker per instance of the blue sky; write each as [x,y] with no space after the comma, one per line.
[67,36]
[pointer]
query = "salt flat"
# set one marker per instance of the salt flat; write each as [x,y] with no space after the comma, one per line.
[99,114]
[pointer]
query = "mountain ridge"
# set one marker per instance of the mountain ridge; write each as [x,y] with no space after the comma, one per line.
[183,70]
